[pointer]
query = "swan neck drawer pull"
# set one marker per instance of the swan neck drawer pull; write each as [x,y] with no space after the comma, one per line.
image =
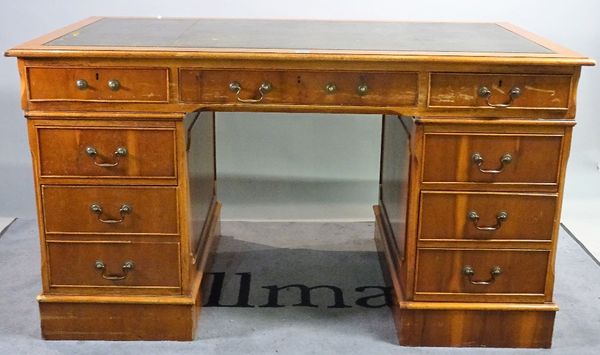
[263,89]
[96,209]
[478,160]
[127,266]
[486,93]
[469,272]
[118,154]
[502,216]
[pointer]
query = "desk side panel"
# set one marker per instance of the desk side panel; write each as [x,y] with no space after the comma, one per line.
[396,179]
[199,146]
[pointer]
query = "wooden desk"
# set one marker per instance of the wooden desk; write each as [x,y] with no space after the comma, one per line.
[477,122]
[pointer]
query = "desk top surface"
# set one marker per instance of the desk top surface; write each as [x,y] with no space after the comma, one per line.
[291,37]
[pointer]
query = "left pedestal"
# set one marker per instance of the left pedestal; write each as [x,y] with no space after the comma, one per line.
[127,224]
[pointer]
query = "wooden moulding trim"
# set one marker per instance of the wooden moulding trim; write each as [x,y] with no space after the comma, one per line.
[497,121]
[447,306]
[491,109]
[169,289]
[33,115]
[168,180]
[176,111]
[266,54]
[120,299]
[459,306]
[514,243]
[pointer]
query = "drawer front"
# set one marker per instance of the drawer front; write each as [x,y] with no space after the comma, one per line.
[299,87]
[98,84]
[487,216]
[114,152]
[499,91]
[480,157]
[85,209]
[113,264]
[481,272]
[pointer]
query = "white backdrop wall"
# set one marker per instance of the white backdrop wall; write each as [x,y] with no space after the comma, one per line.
[280,166]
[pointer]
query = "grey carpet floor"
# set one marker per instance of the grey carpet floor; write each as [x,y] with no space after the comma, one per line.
[246,316]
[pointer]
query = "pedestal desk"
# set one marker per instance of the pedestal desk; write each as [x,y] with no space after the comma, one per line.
[477,121]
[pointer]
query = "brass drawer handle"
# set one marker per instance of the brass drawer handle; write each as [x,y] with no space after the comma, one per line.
[502,216]
[469,272]
[96,209]
[477,158]
[486,93]
[264,88]
[81,84]
[127,266]
[119,153]
[114,85]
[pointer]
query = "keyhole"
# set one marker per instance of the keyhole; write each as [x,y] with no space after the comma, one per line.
[299,80]
[500,83]
[97,76]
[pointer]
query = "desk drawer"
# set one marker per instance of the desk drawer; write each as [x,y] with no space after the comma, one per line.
[487,216]
[460,90]
[114,152]
[113,264]
[98,84]
[485,157]
[299,87]
[85,209]
[483,273]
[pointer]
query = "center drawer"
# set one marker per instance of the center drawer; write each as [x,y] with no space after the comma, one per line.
[114,264]
[298,87]
[481,275]
[101,209]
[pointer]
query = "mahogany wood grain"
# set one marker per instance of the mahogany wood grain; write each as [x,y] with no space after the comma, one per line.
[331,65]
[116,321]
[300,87]
[481,324]
[444,215]
[73,266]
[127,316]
[136,84]
[150,151]
[448,157]
[67,209]
[440,275]
[467,328]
